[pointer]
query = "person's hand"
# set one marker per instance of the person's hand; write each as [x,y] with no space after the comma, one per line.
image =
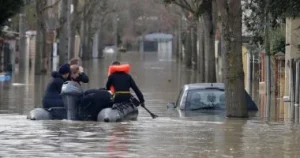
[142,104]
[80,69]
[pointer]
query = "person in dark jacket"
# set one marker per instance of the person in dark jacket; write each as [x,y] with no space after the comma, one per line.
[93,101]
[52,96]
[122,83]
[82,76]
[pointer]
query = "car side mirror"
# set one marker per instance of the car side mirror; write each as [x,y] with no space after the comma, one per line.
[171,105]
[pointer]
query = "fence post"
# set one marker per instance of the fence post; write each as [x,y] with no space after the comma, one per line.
[296,97]
[292,89]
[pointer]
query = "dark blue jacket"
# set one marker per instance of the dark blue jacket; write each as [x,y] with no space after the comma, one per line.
[82,78]
[52,96]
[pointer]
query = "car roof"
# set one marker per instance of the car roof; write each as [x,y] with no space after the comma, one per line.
[203,86]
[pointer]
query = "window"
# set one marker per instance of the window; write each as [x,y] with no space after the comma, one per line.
[205,99]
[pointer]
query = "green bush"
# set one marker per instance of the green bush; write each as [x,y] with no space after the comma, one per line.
[277,37]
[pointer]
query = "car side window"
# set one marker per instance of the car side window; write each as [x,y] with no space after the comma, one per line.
[179,97]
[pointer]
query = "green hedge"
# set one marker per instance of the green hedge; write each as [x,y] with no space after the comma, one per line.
[277,37]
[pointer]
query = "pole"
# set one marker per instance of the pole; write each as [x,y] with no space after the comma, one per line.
[297,92]
[22,40]
[115,23]
[267,55]
[253,76]
[292,89]
[249,73]
[69,26]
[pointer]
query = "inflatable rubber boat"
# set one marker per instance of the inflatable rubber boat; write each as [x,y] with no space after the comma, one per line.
[71,94]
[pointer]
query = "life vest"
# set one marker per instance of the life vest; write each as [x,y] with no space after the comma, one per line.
[117,68]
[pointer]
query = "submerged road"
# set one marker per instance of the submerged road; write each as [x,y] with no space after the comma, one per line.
[173,134]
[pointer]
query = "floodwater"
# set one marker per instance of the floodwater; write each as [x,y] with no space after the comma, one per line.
[173,134]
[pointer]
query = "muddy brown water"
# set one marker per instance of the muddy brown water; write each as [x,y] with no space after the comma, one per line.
[173,134]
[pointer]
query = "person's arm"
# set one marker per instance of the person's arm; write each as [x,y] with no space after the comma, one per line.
[58,84]
[83,78]
[109,82]
[137,91]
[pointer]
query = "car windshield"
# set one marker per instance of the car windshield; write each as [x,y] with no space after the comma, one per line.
[179,98]
[205,99]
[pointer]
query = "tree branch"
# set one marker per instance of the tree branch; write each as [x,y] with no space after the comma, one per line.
[80,15]
[183,6]
[51,6]
[188,5]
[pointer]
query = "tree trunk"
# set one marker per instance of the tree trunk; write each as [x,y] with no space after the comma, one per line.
[115,29]
[72,29]
[231,19]
[180,40]
[194,43]
[89,38]
[201,52]
[82,39]
[100,41]
[63,33]
[175,42]
[83,35]
[22,42]
[40,39]
[209,40]
[187,49]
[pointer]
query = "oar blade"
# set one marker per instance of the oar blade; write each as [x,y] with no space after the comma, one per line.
[153,116]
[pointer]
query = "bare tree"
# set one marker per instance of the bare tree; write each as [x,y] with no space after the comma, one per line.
[209,39]
[42,56]
[84,24]
[204,10]
[100,16]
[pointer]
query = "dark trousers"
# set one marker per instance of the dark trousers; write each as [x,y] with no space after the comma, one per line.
[121,98]
[50,103]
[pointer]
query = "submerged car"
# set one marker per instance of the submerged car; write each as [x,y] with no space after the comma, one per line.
[210,96]
[122,49]
[109,49]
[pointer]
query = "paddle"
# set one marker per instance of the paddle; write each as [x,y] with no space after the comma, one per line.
[152,115]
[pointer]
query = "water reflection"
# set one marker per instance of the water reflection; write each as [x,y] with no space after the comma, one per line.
[173,134]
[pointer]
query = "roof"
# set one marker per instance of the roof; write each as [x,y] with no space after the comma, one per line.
[204,85]
[157,36]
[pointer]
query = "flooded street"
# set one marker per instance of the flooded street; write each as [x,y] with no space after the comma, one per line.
[173,134]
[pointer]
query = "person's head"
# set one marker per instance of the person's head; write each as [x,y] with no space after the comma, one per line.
[74,71]
[64,71]
[115,63]
[74,61]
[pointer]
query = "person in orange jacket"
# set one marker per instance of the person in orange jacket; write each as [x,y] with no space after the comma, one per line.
[121,82]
